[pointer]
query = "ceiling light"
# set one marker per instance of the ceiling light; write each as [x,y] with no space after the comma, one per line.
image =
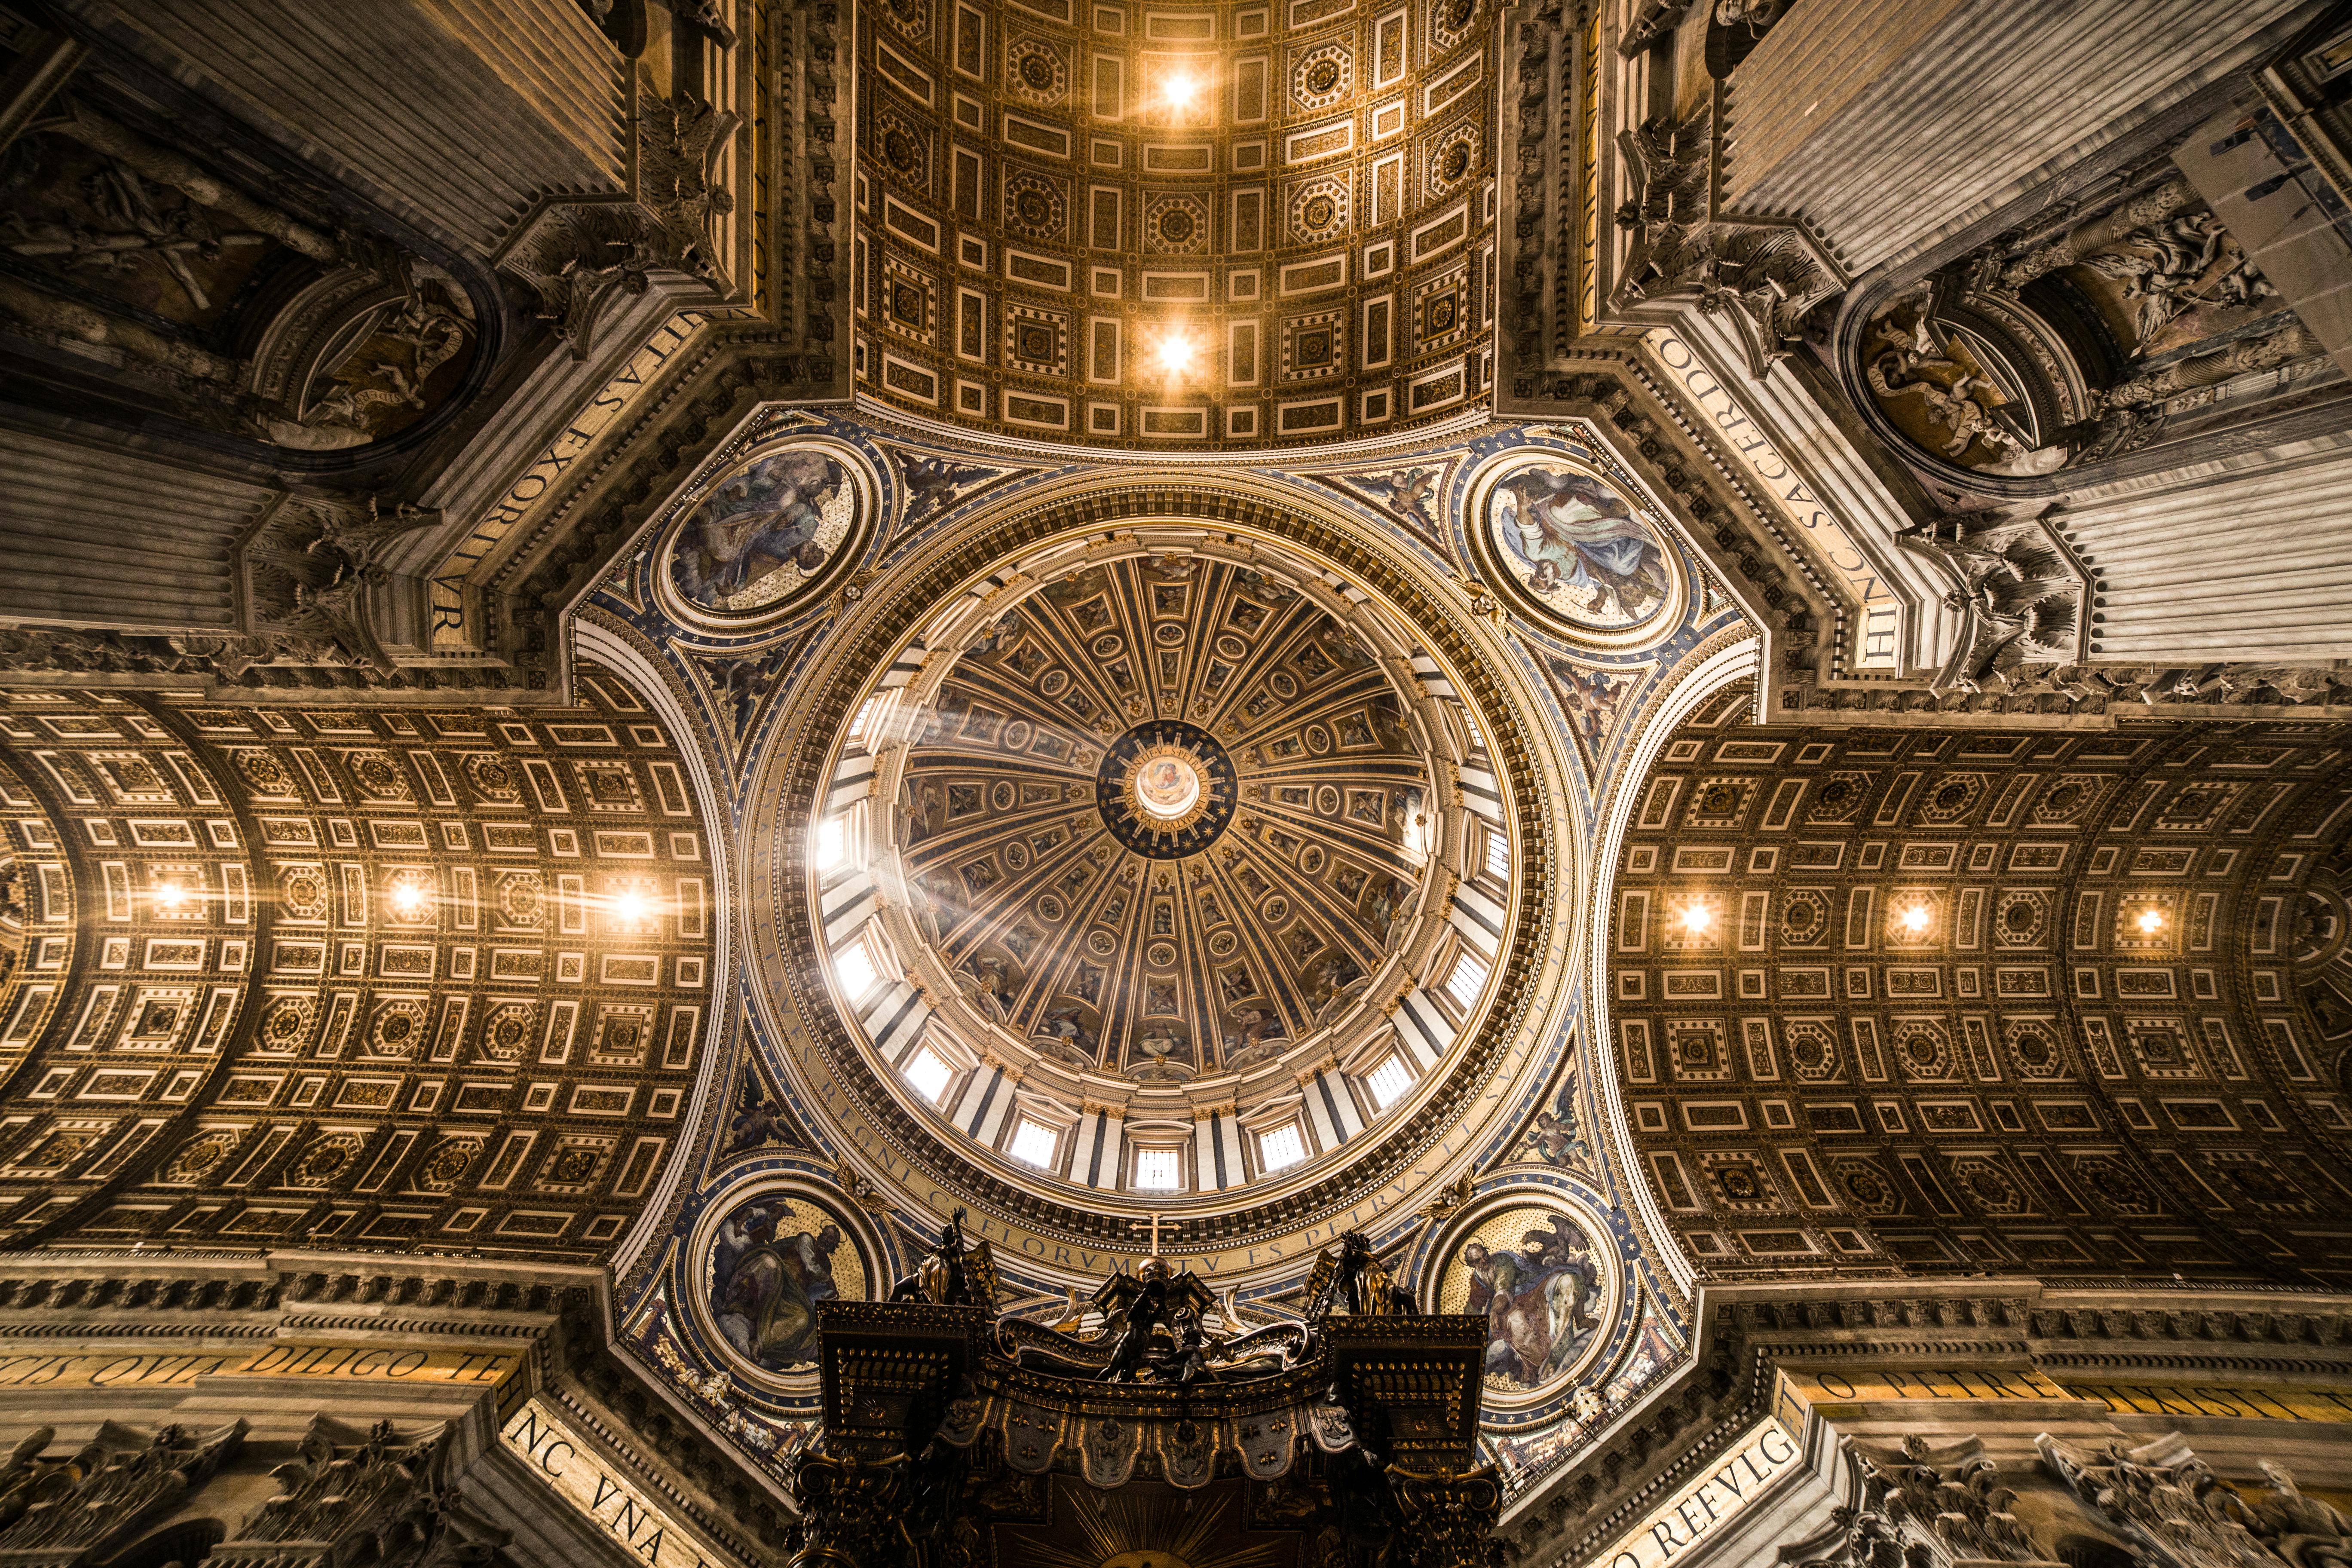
[1915,917]
[1180,90]
[1174,352]
[2151,920]
[406,897]
[629,907]
[1696,916]
[171,895]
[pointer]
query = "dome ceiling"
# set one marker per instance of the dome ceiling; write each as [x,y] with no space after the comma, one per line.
[1149,895]
[1159,859]
[1135,224]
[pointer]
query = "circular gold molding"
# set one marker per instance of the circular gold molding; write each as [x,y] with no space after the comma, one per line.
[836,1071]
[1164,783]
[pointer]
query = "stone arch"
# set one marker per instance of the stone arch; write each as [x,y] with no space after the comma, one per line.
[413,978]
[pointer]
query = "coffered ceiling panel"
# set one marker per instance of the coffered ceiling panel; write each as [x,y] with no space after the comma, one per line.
[405,978]
[1139,225]
[1887,1001]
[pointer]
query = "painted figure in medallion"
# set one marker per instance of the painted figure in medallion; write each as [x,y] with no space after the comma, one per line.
[763,533]
[1535,1297]
[764,1286]
[1576,544]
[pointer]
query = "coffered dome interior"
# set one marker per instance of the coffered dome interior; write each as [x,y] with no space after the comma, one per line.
[1174,833]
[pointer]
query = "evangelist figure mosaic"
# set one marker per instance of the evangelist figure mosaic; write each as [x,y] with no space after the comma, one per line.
[771,1260]
[1576,549]
[1535,1274]
[765,533]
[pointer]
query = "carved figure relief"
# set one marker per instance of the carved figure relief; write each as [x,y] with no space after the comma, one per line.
[2167,1500]
[394,363]
[93,218]
[2019,587]
[1956,393]
[2089,331]
[219,297]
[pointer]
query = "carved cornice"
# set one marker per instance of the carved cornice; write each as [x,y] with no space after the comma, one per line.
[1747,1332]
[1743,538]
[560,1316]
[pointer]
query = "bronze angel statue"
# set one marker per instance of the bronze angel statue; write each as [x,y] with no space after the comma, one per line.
[1350,1278]
[1154,1330]
[951,1274]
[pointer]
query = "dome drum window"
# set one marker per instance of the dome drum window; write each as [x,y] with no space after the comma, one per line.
[853,967]
[1280,1148]
[1159,1170]
[1032,1144]
[928,1074]
[1389,1082]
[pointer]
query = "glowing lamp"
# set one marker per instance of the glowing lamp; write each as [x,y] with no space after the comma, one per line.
[629,907]
[1698,916]
[2151,920]
[1915,917]
[1174,352]
[1180,90]
[171,896]
[407,898]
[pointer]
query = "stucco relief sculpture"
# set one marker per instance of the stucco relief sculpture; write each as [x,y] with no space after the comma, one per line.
[2088,333]
[1955,395]
[236,306]
[2169,1500]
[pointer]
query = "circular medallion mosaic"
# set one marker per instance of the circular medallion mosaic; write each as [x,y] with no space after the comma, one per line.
[769,536]
[1574,550]
[1541,1274]
[1166,790]
[765,1264]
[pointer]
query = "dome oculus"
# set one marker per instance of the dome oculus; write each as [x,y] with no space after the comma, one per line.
[1166,790]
